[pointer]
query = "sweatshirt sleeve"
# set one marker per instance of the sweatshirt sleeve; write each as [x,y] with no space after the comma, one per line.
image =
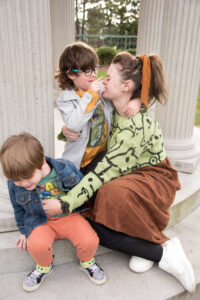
[76,116]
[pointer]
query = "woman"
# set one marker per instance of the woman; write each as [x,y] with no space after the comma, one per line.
[135,205]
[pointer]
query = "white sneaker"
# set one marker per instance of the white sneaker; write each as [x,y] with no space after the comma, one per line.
[139,265]
[175,262]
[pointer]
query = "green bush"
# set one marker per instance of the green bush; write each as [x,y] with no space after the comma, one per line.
[106,55]
[197,117]
[131,51]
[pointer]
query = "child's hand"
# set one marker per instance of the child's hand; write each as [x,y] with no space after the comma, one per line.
[133,107]
[51,206]
[96,85]
[70,135]
[22,242]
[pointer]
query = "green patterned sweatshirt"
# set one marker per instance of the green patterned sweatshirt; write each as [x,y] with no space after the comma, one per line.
[133,143]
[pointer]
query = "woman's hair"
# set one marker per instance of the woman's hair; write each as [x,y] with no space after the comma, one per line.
[20,156]
[78,56]
[131,69]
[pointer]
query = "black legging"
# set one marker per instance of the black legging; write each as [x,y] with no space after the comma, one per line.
[127,244]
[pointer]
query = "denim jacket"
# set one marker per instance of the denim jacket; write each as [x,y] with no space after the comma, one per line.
[27,205]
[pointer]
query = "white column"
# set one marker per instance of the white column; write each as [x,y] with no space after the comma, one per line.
[63,30]
[172,30]
[25,80]
[63,26]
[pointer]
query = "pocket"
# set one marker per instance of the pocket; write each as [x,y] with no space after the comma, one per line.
[70,181]
[23,198]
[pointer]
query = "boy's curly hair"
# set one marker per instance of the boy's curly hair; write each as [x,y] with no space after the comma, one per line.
[75,56]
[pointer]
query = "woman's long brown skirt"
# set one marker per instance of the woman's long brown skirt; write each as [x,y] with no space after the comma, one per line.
[137,204]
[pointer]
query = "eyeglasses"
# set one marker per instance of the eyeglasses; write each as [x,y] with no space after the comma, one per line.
[88,73]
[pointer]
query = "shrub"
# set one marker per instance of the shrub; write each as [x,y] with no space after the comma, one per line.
[131,51]
[106,55]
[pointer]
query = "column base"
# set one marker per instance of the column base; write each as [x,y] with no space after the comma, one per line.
[184,165]
[184,155]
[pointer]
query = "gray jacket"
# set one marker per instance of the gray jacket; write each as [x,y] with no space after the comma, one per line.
[72,108]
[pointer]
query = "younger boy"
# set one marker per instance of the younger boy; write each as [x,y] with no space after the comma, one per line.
[33,177]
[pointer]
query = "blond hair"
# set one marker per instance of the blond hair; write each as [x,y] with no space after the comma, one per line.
[20,156]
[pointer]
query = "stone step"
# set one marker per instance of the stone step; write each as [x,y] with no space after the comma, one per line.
[188,198]
[7,221]
[14,260]
[68,283]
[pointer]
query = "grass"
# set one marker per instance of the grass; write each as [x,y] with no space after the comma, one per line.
[197,117]
[102,73]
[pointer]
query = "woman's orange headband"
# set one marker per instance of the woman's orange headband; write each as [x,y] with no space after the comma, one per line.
[146,79]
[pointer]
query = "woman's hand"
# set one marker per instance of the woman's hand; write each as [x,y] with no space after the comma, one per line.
[133,107]
[22,242]
[52,206]
[70,135]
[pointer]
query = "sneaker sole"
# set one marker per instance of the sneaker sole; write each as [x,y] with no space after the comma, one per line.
[183,257]
[97,282]
[33,288]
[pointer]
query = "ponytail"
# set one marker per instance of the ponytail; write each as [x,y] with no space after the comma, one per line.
[157,89]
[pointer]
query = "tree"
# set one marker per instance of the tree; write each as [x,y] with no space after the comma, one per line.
[80,15]
[95,20]
[107,16]
[127,16]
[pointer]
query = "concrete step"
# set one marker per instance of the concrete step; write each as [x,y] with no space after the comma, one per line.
[7,221]
[188,198]
[14,260]
[68,283]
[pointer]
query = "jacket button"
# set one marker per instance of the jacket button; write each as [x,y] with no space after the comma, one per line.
[36,201]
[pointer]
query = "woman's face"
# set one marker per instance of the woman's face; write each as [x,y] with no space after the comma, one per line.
[113,83]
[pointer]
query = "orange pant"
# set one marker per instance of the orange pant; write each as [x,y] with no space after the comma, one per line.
[73,227]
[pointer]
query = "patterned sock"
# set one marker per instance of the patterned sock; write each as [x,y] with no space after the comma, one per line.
[44,269]
[87,264]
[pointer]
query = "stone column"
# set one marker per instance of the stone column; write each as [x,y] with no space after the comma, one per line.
[172,29]
[63,26]
[63,30]
[25,80]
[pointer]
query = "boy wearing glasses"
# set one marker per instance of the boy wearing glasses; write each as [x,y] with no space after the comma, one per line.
[81,105]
